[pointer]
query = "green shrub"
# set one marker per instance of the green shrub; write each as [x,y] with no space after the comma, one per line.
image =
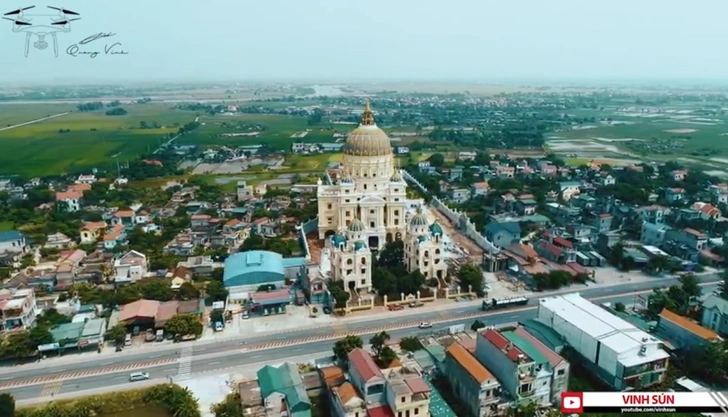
[176,400]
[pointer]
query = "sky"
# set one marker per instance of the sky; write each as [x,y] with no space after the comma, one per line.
[353,40]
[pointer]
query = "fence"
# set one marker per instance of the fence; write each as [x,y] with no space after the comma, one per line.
[303,230]
[457,218]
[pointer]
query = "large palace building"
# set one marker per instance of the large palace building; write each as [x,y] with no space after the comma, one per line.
[370,191]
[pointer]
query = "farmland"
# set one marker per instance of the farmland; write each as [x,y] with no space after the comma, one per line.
[274,130]
[79,140]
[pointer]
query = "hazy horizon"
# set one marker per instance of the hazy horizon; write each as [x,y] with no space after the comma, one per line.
[461,41]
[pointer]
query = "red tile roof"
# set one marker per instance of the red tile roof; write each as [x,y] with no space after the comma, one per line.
[496,339]
[563,242]
[362,361]
[577,268]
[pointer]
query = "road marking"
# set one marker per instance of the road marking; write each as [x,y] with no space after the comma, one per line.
[256,356]
[119,377]
[51,389]
[61,370]
[155,356]
[281,338]
[213,363]
[297,349]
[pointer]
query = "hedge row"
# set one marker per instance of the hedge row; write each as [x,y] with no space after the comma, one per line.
[177,401]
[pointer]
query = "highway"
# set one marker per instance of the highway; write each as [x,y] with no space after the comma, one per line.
[36,380]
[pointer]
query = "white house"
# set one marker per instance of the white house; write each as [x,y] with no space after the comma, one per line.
[130,268]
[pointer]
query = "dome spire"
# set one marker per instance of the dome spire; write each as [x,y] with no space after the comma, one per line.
[367,118]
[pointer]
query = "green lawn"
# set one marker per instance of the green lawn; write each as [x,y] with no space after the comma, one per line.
[93,141]
[5,226]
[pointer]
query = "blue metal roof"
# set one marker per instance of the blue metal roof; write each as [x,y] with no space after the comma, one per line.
[253,267]
[10,236]
[293,262]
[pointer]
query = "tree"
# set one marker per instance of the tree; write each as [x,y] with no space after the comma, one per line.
[17,345]
[7,405]
[392,255]
[39,336]
[187,291]
[619,307]
[116,334]
[470,277]
[707,362]
[386,357]
[378,342]
[410,344]
[724,285]
[252,242]
[343,347]
[690,285]
[183,325]
[436,160]
[477,324]
[216,291]
[340,296]
[229,407]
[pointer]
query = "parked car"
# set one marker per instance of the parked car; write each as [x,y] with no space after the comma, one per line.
[138,376]
[425,325]
[218,326]
[327,310]
[415,304]
[396,307]
[246,315]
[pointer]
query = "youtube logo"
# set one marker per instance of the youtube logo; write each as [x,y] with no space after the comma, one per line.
[571,402]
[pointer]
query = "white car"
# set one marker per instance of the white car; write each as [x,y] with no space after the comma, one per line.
[138,376]
[425,325]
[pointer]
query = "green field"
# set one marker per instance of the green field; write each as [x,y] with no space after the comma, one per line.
[703,137]
[40,149]
[276,131]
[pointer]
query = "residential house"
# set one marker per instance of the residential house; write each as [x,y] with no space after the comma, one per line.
[407,394]
[503,234]
[69,201]
[86,179]
[460,195]
[551,252]
[125,218]
[606,179]
[68,266]
[282,389]
[505,171]
[182,245]
[678,175]
[18,309]
[58,241]
[715,314]
[707,211]
[569,189]
[560,367]
[525,206]
[425,167]
[456,173]
[115,236]
[366,376]
[346,401]
[480,188]
[603,222]
[471,382]
[682,332]
[654,234]
[200,220]
[653,214]
[674,195]
[199,265]
[691,238]
[12,241]
[91,232]
[130,267]
[522,370]
[719,193]
[548,169]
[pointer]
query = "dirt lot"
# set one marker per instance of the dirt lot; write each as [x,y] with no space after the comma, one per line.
[476,253]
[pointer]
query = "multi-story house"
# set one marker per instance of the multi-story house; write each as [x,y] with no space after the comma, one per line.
[715,314]
[480,188]
[560,367]
[674,195]
[522,370]
[58,241]
[12,242]
[503,234]
[654,234]
[366,376]
[719,193]
[682,332]
[69,201]
[407,393]
[603,222]
[472,383]
[347,402]
[615,351]
[131,267]
[569,189]
[69,265]
[691,238]
[115,236]
[460,195]
[125,218]
[18,309]
[91,232]
[653,214]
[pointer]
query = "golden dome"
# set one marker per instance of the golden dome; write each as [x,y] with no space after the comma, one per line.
[367,139]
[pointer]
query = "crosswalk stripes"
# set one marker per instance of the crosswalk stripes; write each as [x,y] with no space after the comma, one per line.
[52,388]
[83,374]
[185,363]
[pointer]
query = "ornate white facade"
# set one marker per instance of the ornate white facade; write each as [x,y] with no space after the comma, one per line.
[423,248]
[369,189]
[351,258]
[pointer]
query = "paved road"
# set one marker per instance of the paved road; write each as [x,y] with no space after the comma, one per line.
[37,382]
